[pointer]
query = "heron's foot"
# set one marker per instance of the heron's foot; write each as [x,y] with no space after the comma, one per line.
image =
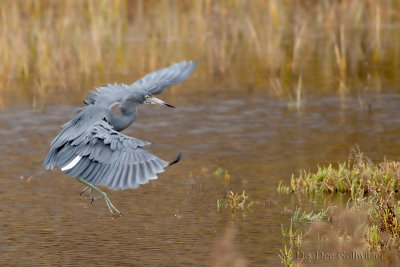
[87,196]
[110,205]
[93,199]
[101,194]
[85,189]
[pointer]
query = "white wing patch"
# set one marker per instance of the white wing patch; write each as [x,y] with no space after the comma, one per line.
[72,163]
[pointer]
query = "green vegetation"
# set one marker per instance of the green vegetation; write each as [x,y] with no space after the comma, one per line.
[234,201]
[309,216]
[371,190]
[292,240]
[358,176]
[292,237]
[383,233]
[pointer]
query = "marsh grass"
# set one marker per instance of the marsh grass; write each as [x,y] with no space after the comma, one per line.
[293,236]
[372,194]
[231,200]
[308,217]
[383,233]
[292,239]
[67,45]
[358,176]
[234,201]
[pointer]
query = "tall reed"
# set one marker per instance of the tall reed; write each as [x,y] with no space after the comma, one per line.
[56,45]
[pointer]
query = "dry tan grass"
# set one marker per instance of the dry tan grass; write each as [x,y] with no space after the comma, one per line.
[64,44]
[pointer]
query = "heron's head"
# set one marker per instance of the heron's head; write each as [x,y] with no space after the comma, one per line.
[143,97]
[150,99]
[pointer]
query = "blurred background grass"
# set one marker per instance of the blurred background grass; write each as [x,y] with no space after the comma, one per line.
[277,46]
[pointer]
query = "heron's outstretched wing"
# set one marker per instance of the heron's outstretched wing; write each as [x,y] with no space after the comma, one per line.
[157,81]
[103,156]
[154,83]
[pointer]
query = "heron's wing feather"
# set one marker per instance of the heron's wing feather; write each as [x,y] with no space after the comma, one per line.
[83,118]
[154,83]
[107,95]
[157,81]
[109,158]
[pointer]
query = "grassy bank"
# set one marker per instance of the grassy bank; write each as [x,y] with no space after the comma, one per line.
[273,44]
[369,225]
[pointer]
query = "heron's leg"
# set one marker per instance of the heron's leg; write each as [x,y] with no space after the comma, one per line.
[103,195]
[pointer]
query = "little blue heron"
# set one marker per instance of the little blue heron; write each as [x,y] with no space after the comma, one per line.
[90,146]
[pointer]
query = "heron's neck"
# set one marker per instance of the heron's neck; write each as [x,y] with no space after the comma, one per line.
[121,122]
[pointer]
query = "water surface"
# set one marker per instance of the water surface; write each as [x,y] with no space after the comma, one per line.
[174,220]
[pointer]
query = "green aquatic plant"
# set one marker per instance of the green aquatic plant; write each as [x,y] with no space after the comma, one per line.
[370,185]
[356,176]
[218,171]
[282,188]
[292,241]
[373,238]
[384,217]
[308,217]
[234,201]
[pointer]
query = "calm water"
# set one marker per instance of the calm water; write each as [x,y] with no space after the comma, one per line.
[173,220]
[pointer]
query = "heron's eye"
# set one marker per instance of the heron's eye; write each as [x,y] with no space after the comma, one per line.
[146,97]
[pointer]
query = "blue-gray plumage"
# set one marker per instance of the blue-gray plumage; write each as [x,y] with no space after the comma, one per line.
[91,147]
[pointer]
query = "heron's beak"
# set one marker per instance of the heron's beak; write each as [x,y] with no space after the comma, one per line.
[153,100]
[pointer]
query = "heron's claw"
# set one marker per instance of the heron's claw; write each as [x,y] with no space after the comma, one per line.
[84,190]
[93,199]
[89,196]
[102,195]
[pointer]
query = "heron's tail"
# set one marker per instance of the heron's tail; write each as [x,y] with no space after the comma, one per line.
[178,158]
